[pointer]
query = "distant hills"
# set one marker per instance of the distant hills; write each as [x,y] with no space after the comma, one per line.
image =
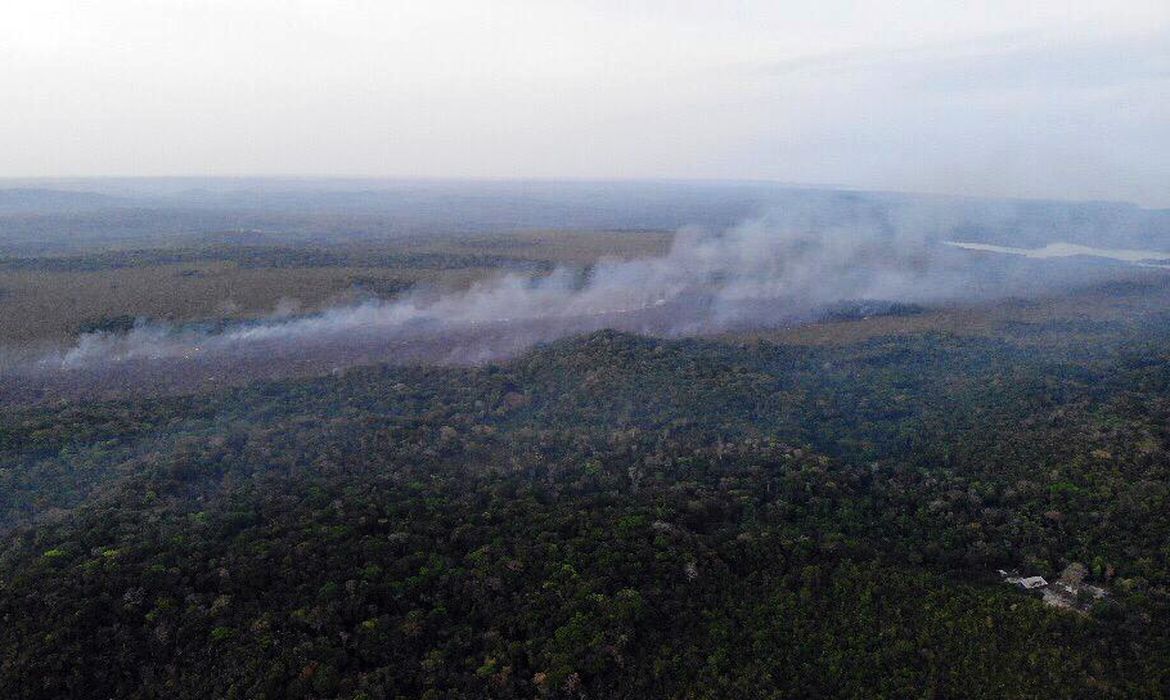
[80,214]
[33,201]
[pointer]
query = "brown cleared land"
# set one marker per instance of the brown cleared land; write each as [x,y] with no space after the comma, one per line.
[570,247]
[50,299]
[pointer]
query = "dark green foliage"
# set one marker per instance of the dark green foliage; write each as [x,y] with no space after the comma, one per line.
[121,323]
[612,516]
[853,310]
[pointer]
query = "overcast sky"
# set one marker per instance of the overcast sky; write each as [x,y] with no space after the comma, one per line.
[1052,99]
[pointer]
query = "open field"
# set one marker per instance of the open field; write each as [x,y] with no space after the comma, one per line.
[49,299]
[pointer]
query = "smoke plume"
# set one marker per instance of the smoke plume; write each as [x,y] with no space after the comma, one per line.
[778,269]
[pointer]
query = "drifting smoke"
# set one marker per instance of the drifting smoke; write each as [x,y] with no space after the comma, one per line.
[774,270]
[705,282]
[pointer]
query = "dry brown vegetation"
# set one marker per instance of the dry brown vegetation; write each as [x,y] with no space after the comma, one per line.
[50,304]
[38,305]
[53,305]
[577,247]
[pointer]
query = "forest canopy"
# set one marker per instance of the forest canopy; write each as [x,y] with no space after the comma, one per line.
[608,515]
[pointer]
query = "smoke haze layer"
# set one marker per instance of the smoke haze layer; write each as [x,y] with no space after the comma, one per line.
[779,269]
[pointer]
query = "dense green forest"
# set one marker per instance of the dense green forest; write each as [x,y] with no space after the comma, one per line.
[608,516]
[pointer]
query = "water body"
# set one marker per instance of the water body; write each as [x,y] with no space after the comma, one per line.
[1149,258]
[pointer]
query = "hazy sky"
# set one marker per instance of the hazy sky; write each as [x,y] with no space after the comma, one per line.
[1061,99]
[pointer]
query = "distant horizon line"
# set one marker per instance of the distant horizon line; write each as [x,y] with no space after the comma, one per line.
[6,182]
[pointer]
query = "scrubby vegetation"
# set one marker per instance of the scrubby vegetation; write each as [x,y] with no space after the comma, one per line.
[53,297]
[608,516]
[257,257]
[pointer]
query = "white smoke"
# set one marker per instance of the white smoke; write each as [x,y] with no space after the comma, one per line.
[764,271]
[758,260]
